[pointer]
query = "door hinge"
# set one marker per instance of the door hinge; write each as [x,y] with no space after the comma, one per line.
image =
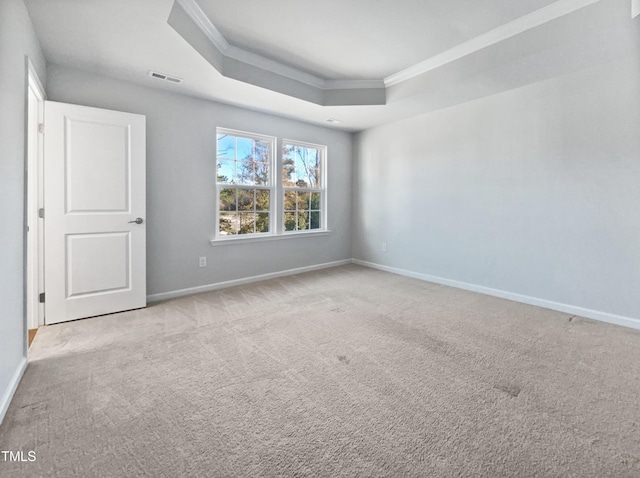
[41,128]
[42,297]
[41,213]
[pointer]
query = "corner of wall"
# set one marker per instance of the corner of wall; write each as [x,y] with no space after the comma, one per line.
[355,160]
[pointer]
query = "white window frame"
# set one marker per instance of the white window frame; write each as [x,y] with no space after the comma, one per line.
[322,190]
[272,187]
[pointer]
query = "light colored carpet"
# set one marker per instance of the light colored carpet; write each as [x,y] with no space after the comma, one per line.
[343,372]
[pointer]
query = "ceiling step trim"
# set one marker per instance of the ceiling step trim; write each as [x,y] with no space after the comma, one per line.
[508,30]
[200,18]
[231,51]
[242,65]
[247,66]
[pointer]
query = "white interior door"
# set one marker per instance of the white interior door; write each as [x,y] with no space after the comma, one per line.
[94,170]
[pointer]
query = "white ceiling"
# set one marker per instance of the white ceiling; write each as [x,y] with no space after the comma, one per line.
[352,39]
[358,39]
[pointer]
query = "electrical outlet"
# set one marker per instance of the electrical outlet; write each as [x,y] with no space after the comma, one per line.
[203,262]
[384,247]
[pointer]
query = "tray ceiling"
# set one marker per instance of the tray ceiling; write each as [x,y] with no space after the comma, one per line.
[422,55]
[358,39]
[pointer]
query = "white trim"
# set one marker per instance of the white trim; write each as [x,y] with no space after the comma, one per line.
[218,40]
[228,50]
[520,25]
[209,29]
[635,8]
[35,80]
[244,134]
[11,389]
[297,142]
[547,304]
[492,37]
[268,237]
[246,280]
[35,198]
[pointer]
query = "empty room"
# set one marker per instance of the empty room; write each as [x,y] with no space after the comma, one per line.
[347,238]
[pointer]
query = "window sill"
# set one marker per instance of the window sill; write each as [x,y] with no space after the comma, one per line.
[274,237]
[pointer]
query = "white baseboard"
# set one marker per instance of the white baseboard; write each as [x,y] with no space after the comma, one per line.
[11,389]
[547,304]
[244,280]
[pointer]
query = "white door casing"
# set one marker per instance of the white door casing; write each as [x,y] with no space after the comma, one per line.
[95,177]
[35,233]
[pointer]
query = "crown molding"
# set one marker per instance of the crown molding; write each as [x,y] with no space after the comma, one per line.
[193,10]
[492,37]
[251,67]
[204,23]
[244,65]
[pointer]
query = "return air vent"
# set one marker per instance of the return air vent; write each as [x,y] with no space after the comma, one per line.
[162,76]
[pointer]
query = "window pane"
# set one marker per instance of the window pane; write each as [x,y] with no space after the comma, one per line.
[228,200]
[262,171]
[261,151]
[302,179]
[228,223]
[226,146]
[315,179]
[246,199]
[226,171]
[289,200]
[314,159]
[315,201]
[303,200]
[288,165]
[247,223]
[289,221]
[303,220]
[245,148]
[288,152]
[245,172]
[302,167]
[315,220]
[288,173]
[262,222]
[302,158]
[262,200]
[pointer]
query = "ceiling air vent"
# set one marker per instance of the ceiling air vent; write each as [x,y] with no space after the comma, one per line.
[162,76]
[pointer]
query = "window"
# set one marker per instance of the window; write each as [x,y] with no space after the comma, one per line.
[249,195]
[245,185]
[303,185]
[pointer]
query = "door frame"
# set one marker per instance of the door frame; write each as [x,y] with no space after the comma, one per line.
[34,198]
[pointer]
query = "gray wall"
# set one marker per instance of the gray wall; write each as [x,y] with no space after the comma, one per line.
[17,39]
[181,177]
[534,191]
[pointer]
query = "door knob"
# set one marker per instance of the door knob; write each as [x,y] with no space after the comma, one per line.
[137,221]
